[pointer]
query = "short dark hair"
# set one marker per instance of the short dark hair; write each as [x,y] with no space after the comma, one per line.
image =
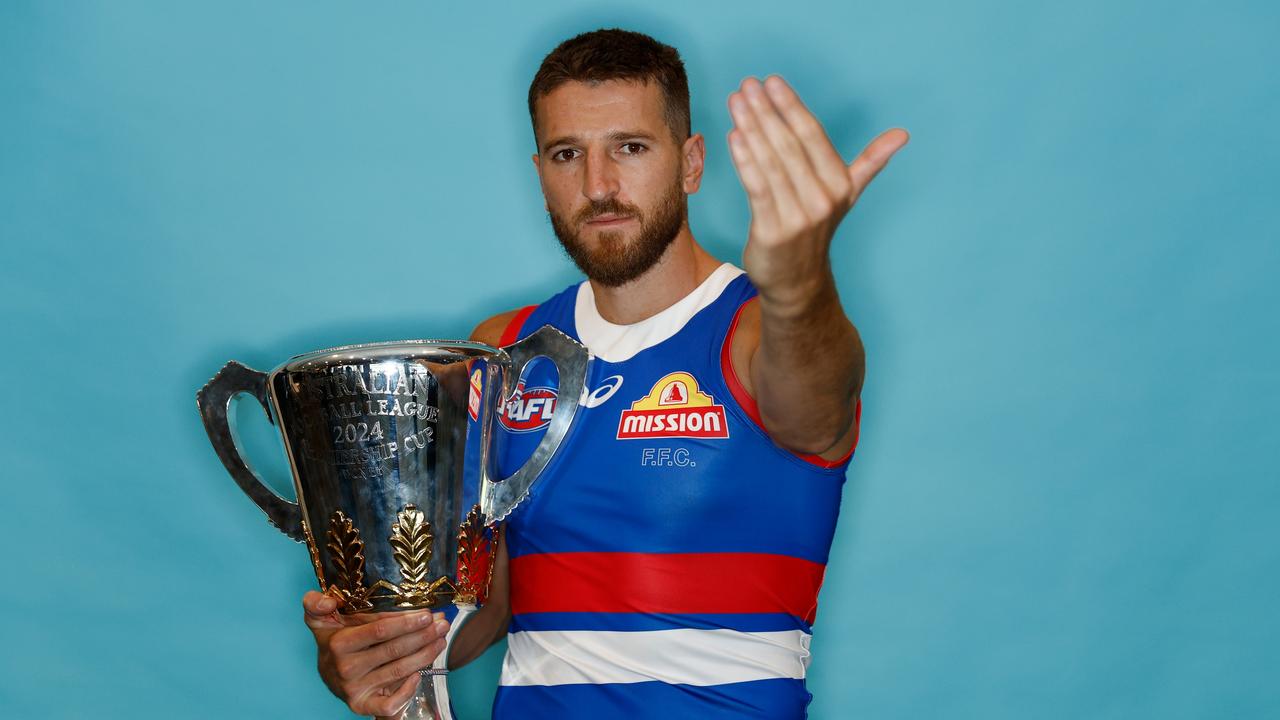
[616,54]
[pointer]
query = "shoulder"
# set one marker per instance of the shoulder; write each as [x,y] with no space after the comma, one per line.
[490,331]
[501,329]
[744,338]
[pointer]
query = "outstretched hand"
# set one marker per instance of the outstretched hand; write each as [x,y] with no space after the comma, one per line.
[798,186]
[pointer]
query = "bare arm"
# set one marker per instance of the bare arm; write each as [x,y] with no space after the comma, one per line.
[801,357]
[489,624]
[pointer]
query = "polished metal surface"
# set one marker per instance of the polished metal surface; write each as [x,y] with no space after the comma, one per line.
[214,401]
[498,499]
[371,430]
[377,436]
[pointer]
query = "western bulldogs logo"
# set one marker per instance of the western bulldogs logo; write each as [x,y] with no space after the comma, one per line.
[529,409]
[473,395]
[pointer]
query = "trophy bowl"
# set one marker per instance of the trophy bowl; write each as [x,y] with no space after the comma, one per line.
[390,447]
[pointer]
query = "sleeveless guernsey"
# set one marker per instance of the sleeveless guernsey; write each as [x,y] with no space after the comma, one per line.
[667,563]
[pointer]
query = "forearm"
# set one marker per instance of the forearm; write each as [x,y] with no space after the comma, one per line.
[485,627]
[809,366]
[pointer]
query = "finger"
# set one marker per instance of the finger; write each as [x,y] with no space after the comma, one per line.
[356,665]
[317,604]
[874,157]
[395,671]
[389,701]
[822,154]
[392,625]
[753,181]
[322,621]
[812,198]
[780,191]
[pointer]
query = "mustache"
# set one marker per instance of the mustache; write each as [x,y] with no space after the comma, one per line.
[605,207]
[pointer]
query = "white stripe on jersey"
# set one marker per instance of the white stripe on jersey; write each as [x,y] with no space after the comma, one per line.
[617,343]
[682,656]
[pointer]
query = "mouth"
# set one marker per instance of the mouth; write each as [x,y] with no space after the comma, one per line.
[608,220]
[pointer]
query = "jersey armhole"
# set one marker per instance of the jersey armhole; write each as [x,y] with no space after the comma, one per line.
[512,332]
[748,403]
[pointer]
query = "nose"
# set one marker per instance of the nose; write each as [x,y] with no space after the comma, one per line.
[600,180]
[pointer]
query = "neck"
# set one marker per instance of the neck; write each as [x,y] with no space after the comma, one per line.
[680,270]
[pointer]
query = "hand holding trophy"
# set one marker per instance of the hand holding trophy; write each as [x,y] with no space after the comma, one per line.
[379,439]
[373,662]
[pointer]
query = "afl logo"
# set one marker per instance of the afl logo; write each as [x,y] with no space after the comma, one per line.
[529,409]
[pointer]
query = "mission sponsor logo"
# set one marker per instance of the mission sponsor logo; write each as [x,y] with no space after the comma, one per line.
[675,407]
[529,409]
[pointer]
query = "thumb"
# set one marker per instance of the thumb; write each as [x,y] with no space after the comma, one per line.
[319,611]
[874,157]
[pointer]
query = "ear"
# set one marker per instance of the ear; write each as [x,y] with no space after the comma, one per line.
[537,168]
[694,154]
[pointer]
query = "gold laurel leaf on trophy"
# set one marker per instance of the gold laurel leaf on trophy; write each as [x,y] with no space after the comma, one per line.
[411,541]
[472,552]
[347,551]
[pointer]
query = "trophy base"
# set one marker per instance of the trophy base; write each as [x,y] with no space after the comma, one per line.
[427,702]
[431,700]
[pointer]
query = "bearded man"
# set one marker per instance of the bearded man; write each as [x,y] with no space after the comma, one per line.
[668,562]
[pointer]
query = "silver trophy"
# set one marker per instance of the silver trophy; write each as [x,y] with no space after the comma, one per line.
[378,436]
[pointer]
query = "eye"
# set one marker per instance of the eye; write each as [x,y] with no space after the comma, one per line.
[563,155]
[633,148]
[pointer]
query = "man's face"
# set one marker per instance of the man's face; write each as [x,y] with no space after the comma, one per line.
[612,175]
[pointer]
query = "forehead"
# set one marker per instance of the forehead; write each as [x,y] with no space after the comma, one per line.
[581,109]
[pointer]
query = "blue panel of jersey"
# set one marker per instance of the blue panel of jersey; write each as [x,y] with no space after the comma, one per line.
[670,494]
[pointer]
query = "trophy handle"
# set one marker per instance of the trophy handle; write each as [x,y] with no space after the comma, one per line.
[214,400]
[440,666]
[499,497]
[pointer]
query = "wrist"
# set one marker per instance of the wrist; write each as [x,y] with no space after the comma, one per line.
[799,296]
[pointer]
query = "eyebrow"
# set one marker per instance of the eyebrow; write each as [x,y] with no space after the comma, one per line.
[613,136]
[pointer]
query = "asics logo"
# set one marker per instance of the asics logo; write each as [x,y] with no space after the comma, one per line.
[600,395]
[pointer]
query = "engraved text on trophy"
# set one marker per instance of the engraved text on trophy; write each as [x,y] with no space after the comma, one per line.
[373,415]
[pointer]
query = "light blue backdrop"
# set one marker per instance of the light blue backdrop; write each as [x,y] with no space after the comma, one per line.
[1065,500]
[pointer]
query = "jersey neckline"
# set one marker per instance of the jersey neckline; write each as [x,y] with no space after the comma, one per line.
[616,343]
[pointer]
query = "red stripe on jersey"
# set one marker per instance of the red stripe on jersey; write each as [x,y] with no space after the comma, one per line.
[513,328]
[665,583]
[748,403]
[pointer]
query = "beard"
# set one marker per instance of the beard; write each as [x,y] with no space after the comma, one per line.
[614,261]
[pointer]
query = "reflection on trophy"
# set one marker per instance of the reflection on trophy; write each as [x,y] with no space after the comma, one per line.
[381,439]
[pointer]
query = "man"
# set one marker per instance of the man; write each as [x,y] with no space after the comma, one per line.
[668,562]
